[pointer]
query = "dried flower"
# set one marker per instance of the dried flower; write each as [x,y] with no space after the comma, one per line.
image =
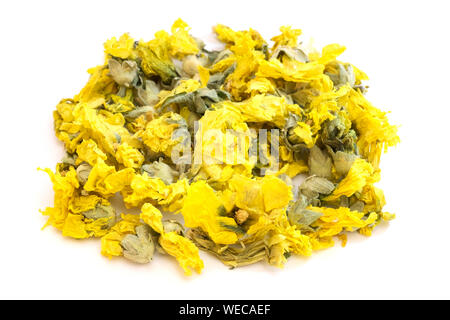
[219,137]
[102,212]
[125,73]
[241,216]
[138,248]
[83,171]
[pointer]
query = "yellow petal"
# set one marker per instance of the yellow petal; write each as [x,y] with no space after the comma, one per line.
[153,217]
[202,208]
[183,250]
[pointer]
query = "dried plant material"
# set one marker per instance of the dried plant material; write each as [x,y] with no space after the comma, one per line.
[147,93]
[147,111]
[123,73]
[191,64]
[313,186]
[291,52]
[138,248]
[172,241]
[319,163]
[197,101]
[203,208]
[343,162]
[236,256]
[218,138]
[357,206]
[83,171]
[294,139]
[303,218]
[173,226]
[360,174]
[241,216]
[159,169]
[102,212]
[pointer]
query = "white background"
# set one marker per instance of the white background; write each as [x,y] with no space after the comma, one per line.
[403,46]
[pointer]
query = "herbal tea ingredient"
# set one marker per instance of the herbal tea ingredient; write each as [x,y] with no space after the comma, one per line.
[218,136]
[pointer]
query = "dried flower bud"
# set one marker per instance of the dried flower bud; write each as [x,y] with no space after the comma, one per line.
[138,248]
[159,169]
[345,75]
[69,159]
[319,163]
[313,186]
[147,95]
[291,140]
[357,206]
[190,65]
[240,216]
[123,73]
[101,211]
[83,172]
[303,218]
[291,52]
[173,226]
[343,162]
